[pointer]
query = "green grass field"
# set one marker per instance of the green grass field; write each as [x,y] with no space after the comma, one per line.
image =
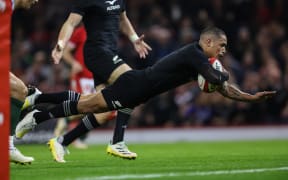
[243,160]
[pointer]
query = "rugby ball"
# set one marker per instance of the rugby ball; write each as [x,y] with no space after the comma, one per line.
[204,85]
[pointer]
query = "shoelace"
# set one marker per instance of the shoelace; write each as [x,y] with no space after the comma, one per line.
[33,125]
[123,148]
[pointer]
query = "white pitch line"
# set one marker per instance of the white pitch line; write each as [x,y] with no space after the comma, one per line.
[187,174]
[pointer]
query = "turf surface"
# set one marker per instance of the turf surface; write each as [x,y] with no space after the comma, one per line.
[205,160]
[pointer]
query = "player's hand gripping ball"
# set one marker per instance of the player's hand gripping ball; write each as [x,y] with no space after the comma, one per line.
[204,85]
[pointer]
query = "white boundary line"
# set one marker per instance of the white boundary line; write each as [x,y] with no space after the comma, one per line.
[187,174]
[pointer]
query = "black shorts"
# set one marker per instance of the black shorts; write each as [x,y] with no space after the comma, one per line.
[101,63]
[129,90]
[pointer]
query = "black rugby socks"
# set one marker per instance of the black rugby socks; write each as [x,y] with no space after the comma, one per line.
[56,98]
[87,124]
[65,109]
[123,116]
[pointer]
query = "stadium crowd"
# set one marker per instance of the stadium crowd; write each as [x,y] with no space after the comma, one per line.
[257,57]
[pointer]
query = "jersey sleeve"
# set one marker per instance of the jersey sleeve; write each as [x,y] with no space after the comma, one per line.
[78,7]
[212,75]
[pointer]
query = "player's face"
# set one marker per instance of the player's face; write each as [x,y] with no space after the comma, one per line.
[218,46]
[26,3]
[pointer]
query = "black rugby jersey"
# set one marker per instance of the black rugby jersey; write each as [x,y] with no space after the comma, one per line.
[137,86]
[101,21]
[180,67]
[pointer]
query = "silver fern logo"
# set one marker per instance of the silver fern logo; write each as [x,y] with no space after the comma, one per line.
[112,7]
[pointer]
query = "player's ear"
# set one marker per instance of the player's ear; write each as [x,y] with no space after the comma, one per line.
[208,42]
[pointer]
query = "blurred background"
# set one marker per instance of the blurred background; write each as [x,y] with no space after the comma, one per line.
[257,57]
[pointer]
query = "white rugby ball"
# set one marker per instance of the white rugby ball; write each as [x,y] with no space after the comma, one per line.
[204,85]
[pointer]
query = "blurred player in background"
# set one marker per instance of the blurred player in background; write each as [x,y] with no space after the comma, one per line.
[137,86]
[18,90]
[81,80]
[103,20]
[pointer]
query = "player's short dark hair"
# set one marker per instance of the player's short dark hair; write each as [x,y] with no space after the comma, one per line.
[214,31]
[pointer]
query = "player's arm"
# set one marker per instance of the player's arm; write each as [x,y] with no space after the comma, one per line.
[70,59]
[230,91]
[65,33]
[203,67]
[212,75]
[126,28]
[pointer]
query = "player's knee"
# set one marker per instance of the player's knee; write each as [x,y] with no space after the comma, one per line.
[99,108]
[91,107]
[93,103]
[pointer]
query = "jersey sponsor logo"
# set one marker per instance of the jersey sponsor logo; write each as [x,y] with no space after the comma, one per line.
[2,6]
[111,6]
[116,104]
[111,2]
[116,59]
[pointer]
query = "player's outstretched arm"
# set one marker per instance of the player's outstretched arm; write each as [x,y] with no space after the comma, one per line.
[232,92]
[68,57]
[64,36]
[140,46]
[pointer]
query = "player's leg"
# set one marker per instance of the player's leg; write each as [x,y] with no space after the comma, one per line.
[67,123]
[117,145]
[53,98]
[18,93]
[18,89]
[58,145]
[64,109]
[113,97]
[92,103]
[107,67]
[110,98]
[83,85]
[89,122]
[64,98]
[61,126]
[63,123]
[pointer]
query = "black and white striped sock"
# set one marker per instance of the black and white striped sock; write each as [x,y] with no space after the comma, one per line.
[65,109]
[73,96]
[57,98]
[87,124]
